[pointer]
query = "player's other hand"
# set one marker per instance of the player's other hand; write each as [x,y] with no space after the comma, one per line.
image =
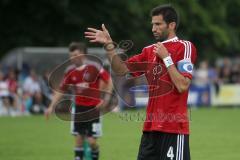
[48,112]
[98,36]
[160,50]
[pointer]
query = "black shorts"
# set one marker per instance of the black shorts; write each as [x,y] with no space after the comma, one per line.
[164,146]
[92,128]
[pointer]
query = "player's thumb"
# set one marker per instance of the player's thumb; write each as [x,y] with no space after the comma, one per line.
[104,28]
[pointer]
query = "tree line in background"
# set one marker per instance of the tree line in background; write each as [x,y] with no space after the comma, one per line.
[213,26]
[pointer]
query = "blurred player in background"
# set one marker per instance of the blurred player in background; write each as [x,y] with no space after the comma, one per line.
[166,128]
[81,76]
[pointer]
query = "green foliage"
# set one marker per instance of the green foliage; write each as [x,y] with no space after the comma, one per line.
[213,26]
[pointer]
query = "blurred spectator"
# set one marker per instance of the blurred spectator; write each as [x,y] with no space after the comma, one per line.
[214,79]
[46,90]
[23,73]
[229,72]
[225,71]
[235,74]
[32,93]
[201,75]
[7,98]
[201,83]
[13,86]
[4,95]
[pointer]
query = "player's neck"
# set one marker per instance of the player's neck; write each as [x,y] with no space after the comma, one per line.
[171,36]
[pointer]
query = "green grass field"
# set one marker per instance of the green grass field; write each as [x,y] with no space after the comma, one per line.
[215,135]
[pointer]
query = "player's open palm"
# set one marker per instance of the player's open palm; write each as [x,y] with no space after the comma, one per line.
[98,36]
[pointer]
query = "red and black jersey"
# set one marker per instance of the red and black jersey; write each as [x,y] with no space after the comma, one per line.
[167,108]
[84,82]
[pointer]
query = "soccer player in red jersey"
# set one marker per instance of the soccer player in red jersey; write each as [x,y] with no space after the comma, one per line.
[169,72]
[84,78]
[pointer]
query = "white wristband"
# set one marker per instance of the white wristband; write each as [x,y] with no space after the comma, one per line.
[168,61]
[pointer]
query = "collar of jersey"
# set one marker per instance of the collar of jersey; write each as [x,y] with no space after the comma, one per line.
[170,40]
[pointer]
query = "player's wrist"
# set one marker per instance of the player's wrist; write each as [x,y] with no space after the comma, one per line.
[109,46]
[168,61]
[108,41]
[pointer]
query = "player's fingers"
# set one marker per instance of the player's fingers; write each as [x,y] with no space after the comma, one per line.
[90,33]
[93,40]
[92,29]
[90,37]
[155,48]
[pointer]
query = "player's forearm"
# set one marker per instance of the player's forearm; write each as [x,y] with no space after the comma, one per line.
[118,66]
[55,99]
[180,82]
[108,87]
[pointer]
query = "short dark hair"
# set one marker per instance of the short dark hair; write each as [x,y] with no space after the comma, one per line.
[168,12]
[78,46]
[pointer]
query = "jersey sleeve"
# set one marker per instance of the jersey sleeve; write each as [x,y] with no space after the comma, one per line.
[134,63]
[186,59]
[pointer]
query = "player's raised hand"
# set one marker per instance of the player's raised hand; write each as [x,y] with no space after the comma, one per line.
[98,36]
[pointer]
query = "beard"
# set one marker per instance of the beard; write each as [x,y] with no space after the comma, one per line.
[162,37]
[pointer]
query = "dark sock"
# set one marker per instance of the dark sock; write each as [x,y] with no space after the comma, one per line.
[95,154]
[78,153]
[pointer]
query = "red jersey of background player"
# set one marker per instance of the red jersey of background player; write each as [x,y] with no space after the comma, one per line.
[84,82]
[167,108]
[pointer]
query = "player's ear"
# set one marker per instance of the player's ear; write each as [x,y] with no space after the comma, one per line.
[172,25]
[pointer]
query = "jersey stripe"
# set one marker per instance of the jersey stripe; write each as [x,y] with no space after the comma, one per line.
[187,49]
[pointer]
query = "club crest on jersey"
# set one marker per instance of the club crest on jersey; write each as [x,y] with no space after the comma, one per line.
[185,66]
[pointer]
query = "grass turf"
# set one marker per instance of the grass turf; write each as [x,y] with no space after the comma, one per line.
[214,136]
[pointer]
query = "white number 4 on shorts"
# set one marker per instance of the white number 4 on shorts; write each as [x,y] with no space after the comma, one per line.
[170,153]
